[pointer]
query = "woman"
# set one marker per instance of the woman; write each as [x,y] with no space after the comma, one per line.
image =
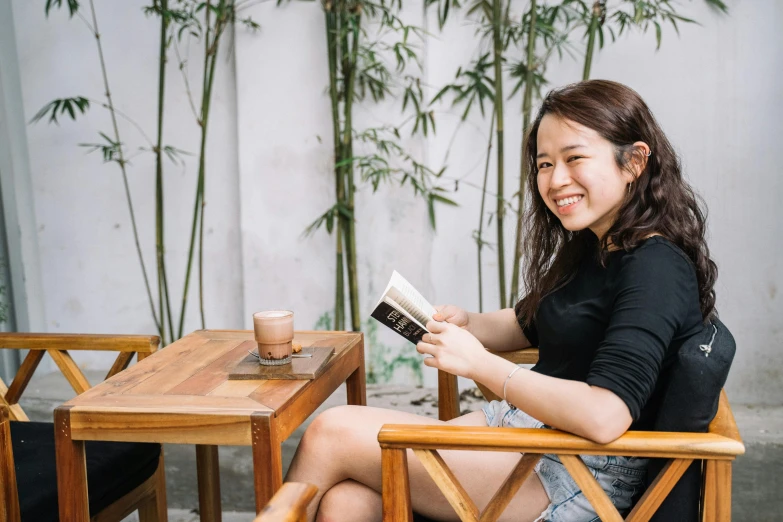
[618,275]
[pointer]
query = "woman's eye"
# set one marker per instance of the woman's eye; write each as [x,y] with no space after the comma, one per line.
[574,158]
[544,165]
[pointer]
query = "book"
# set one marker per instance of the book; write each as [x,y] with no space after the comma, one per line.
[403,309]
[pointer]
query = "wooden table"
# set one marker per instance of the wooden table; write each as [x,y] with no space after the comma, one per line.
[182,395]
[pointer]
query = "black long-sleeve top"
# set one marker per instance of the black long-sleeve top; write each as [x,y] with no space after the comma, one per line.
[616,326]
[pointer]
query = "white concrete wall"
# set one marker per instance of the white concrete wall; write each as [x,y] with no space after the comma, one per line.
[715,89]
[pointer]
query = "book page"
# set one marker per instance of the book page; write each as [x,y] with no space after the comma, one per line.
[410,299]
[404,312]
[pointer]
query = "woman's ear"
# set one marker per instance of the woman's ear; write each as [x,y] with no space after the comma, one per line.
[639,155]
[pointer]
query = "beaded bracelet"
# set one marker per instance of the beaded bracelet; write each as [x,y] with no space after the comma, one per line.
[506,382]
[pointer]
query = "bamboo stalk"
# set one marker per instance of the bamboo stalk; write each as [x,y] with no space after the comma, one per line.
[332,50]
[481,214]
[497,39]
[210,61]
[592,29]
[164,305]
[527,108]
[122,163]
[349,75]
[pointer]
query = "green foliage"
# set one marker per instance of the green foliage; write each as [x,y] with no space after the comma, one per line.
[328,219]
[110,150]
[324,322]
[62,106]
[73,6]
[471,85]
[384,360]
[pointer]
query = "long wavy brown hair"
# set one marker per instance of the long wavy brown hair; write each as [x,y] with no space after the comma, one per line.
[660,200]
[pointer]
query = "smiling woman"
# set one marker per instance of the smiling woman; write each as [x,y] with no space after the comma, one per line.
[618,277]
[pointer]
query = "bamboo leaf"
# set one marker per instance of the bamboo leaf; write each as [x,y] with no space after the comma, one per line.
[73,6]
[62,106]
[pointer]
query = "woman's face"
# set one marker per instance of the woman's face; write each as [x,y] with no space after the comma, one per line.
[578,177]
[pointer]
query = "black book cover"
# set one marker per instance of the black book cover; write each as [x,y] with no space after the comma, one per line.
[388,315]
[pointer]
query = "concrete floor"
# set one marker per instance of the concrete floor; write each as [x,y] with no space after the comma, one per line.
[756,483]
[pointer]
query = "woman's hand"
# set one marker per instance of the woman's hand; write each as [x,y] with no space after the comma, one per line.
[454,315]
[453,349]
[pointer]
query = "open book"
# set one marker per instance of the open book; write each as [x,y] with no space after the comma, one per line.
[403,309]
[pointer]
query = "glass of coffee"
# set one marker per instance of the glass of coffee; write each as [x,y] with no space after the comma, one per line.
[274,332]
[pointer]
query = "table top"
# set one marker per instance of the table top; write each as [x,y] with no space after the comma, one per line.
[183,390]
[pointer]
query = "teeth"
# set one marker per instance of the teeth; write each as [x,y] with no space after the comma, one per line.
[568,201]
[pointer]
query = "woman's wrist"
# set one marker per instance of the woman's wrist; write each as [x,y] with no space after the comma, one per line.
[492,372]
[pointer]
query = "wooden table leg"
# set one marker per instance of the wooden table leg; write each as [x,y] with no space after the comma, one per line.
[71,470]
[208,472]
[357,382]
[267,458]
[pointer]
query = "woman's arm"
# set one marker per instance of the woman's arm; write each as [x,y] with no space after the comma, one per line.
[588,411]
[498,331]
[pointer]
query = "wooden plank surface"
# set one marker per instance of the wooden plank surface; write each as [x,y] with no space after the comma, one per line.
[186,367]
[146,368]
[276,394]
[213,375]
[248,368]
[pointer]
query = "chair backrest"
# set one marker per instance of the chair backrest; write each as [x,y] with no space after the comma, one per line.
[690,391]
[57,346]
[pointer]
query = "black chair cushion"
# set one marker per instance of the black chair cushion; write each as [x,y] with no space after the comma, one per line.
[692,386]
[113,470]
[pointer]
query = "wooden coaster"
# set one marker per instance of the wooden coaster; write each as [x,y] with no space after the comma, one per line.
[299,368]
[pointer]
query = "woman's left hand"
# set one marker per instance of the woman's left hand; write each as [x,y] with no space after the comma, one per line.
[453,349]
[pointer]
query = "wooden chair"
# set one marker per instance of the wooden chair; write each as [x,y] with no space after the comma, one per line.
[289,504]
[718,447]
[123,477]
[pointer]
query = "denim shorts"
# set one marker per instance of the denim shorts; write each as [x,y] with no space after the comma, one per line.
[622,478]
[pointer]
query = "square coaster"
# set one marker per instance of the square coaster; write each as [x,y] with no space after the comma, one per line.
[299,368]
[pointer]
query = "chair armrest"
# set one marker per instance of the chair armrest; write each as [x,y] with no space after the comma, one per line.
[526,440]
[523,356]
[114,343]
[289,504]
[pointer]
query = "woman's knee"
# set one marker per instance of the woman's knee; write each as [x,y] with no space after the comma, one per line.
[331,428]
[349,501]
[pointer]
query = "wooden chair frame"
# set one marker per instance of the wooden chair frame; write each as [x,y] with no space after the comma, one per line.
[289,504]
[149,497]
[718,447]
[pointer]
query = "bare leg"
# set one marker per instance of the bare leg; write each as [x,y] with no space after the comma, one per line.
[342,445]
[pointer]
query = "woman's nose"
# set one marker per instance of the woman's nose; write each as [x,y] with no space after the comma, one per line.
[560,176]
